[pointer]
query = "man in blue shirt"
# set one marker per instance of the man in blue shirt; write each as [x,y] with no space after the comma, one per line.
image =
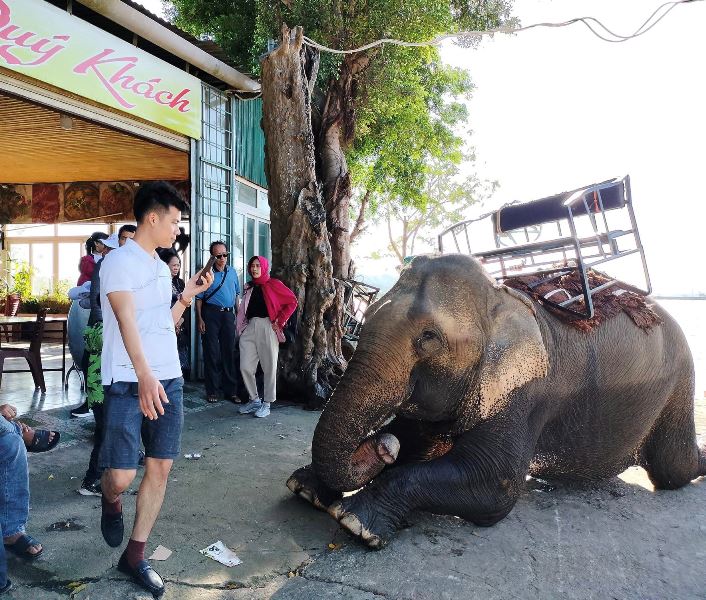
[216,309]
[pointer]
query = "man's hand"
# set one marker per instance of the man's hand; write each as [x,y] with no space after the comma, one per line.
[8,411]
[202,326]
[191,288]
[151,395]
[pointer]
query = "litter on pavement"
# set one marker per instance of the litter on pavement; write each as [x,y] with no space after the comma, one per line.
[160,553]
[219,552]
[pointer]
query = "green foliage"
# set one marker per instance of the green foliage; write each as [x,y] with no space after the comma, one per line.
[243,27]
[447,196]
[409,119]
[409,107]
[22,280]
[56,303]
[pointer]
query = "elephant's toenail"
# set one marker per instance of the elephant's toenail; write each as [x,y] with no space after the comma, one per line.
[335,510]
[352,524]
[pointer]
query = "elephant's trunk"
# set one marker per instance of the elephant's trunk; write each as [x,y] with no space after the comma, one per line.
[344,455]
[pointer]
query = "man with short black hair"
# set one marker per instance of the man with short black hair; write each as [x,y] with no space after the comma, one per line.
[125,233]
[141,373]
[216,310]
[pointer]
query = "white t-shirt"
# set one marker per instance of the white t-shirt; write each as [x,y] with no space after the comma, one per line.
[131,269]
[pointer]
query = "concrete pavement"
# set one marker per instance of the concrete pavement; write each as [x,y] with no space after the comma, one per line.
[619,540]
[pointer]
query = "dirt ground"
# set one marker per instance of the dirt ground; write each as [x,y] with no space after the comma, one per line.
[618,540]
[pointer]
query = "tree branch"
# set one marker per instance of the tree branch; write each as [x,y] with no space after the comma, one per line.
[358,227]
[400,258]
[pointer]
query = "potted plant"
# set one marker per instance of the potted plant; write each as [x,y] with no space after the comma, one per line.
[10,299]
[18,286]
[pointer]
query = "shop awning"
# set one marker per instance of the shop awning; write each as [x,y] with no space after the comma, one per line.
[40,145]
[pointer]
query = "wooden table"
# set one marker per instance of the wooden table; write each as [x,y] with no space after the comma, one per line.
[4,321]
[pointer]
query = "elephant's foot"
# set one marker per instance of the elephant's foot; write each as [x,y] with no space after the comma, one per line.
[304,483]
[373,455]
[362,517]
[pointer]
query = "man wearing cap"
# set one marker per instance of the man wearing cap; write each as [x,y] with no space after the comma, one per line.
[94,389]
[215,314]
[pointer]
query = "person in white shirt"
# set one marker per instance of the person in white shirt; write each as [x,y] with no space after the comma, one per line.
[141,373]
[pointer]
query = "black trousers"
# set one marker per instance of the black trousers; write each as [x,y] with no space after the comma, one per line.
[218,351]
[94,471]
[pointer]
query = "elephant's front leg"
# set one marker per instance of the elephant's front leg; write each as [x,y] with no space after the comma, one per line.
[305,484]
[479,480]
[369,459]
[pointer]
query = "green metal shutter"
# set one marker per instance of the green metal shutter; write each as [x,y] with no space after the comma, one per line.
[249,141]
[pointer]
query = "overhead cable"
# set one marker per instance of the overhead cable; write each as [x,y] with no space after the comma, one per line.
[594,25]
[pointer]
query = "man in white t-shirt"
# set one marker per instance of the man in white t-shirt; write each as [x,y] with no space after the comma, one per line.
[141,373]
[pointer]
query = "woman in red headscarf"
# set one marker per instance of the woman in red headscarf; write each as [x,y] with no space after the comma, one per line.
[267,305]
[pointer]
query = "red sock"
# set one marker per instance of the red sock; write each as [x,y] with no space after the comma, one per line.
[111,508]
[135,552]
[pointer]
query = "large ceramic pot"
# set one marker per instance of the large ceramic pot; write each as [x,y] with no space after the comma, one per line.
[12,304]
[77,321]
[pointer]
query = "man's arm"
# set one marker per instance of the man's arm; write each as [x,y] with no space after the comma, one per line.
[237,292]
[200,323]
[150,390]
[190,290]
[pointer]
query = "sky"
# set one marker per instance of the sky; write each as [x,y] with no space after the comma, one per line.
[556,109]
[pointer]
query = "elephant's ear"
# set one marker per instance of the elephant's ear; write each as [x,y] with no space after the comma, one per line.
[514,355]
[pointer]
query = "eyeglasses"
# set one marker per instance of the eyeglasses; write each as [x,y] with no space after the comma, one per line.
[224,255]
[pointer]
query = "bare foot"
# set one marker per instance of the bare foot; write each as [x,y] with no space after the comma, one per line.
[11,539]
[28,434]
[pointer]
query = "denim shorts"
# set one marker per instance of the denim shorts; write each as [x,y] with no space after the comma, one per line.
[125,424]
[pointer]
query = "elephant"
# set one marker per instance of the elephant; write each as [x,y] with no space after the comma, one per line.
[460,387]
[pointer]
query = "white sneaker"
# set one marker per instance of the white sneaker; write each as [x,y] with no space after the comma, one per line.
[250,407]
[263,411]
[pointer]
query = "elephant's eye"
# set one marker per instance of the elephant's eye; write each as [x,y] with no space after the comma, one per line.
[428,342]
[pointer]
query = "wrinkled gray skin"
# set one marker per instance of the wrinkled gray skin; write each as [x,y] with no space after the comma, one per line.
[460,387]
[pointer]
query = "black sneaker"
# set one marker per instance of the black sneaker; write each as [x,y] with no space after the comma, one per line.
[81,412]
[90,487]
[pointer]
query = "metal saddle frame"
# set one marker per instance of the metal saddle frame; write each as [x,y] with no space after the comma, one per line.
[550,259]
[357,297]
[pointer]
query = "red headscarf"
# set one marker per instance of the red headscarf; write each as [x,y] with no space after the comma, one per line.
[279,299]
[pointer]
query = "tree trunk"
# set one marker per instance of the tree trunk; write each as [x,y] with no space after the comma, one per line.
[336,134]
[301,244]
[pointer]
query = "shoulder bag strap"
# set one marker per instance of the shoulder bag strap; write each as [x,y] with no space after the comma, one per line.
[220,285]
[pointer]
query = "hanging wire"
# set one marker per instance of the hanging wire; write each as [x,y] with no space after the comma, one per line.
[594,25]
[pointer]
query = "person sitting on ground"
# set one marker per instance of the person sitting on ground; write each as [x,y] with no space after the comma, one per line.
[266,307]
[94,252]
[5,583]
[16,439]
